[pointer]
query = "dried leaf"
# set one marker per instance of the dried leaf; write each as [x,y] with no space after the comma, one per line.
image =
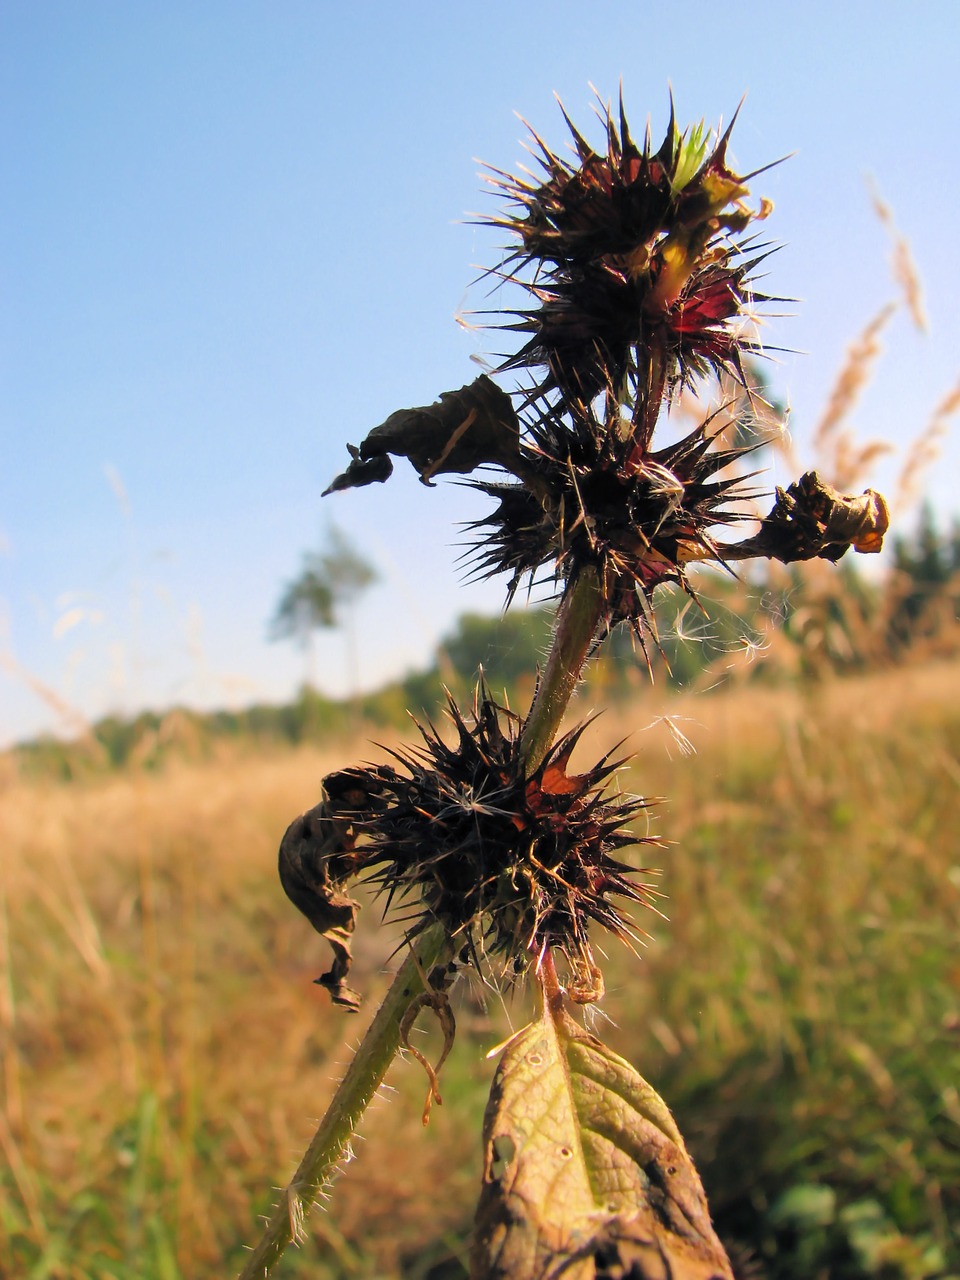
[319,856]
[372,471]
[307,874]
[812,520]
[463,430]
[585,1172]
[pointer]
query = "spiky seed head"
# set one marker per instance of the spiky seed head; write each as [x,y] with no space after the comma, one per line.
[509,863]
[636,514]
[631,260]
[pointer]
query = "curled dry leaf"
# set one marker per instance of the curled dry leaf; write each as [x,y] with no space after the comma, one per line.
[585,1173]
[463,430]
[317,857]
[812,520]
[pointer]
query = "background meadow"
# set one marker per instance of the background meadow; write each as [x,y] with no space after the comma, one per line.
[165,1050]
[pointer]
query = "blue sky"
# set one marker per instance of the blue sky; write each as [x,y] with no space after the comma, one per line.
[235,236]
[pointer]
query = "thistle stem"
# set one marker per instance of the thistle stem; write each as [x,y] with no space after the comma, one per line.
[577,620]
[360,1082]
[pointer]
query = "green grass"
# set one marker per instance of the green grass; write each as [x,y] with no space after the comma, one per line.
[165,1054]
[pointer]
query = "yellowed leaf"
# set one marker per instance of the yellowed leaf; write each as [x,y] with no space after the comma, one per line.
[585,1172]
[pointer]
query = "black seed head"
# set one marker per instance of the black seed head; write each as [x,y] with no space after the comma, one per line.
[510,864]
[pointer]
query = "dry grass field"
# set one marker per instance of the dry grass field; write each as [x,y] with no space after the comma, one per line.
[165,1053]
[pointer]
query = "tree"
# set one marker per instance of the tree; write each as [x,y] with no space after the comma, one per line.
[322,596]
[509,647]
[926,579]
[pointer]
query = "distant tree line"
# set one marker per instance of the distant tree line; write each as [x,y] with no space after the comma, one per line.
[926,581]
[800,623]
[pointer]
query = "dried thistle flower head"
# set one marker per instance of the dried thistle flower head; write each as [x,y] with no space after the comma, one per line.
[510,864]
[631,260]
[637,515]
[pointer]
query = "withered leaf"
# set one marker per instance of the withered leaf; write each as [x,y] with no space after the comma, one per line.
[812,520]
[463,430]
[372,471]
[585,1173]
[310,881]
[319,856]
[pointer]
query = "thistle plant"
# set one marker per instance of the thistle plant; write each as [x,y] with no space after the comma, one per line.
[635,272]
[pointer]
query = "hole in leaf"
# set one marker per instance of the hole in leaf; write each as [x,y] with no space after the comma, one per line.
[503,1149]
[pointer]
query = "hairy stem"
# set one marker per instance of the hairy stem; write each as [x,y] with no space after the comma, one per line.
[356,1089]
[577,620]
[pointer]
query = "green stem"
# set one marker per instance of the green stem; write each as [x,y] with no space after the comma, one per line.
[356,1089]
[577,621]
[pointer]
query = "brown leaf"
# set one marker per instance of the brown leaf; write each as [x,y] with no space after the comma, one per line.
[318,855]
[463,430]
[812,520]
[306,852]
[585,1173]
